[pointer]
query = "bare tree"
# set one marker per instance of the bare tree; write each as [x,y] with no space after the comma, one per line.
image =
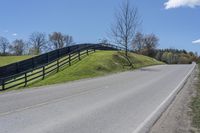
[103,41]
[38,42]
[151,42]
[4,44]
[138,42]
[68,40]
[60,40]
[18,47]
[127,22]
[57,40]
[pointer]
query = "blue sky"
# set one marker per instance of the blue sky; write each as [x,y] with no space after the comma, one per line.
[176,23]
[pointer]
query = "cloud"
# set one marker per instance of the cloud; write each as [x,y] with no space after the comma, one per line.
[14,34]
[196,41]
[181,3]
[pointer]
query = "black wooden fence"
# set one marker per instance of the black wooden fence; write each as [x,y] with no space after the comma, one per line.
[22,72]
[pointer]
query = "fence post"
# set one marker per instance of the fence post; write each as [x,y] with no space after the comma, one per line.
[17,65]
[69,59]
[47,57]
[3,84]
[58,65]
[33,65]
[94,50]
[25,78]
[87,52]
[79,55]
[43,72]
[58,53]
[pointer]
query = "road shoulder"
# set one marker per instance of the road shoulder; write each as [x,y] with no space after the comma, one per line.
[177,118]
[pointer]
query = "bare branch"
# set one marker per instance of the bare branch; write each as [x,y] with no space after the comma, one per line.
[38,42]
[60,40]
[126,24]
[4,44]
[18,47]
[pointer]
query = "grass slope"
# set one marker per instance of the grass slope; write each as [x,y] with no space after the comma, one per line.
[5,60]
[97,64]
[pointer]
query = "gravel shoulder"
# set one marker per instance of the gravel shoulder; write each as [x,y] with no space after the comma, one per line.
[177,118]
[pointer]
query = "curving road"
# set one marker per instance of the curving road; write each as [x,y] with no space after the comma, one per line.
[126,102]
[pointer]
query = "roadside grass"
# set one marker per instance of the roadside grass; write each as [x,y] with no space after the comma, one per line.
[97,64]
[5,60]
[195,105]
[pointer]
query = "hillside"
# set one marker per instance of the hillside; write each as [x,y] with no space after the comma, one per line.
[97,64]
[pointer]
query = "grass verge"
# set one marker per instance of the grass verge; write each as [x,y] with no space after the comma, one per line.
[195,105]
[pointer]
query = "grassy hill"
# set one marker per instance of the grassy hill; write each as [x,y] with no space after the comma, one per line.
[5,60]
[97,64]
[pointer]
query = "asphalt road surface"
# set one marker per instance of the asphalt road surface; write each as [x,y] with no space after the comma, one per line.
[118,103]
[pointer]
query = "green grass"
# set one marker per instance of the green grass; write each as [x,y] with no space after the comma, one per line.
[195,105]
[5,60]
[97,64]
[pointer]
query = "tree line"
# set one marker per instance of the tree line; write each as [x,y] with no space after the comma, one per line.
[175,56]
[37,43]
[147,45]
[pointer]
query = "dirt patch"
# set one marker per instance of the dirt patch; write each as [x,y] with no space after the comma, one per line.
[177,118]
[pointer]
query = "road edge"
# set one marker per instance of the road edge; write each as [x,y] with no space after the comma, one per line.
[146,125]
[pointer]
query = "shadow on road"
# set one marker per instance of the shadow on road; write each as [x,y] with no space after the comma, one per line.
[149,69]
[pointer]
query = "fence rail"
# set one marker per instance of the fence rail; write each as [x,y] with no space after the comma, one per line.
[24,72]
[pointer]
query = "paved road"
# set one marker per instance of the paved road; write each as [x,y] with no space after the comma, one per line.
[119,103]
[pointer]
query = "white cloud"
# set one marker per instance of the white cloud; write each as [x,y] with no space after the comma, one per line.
[196,41]
[181,3]
[14,34]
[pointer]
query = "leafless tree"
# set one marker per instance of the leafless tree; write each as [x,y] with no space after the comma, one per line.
[60,40]
[150,42]
[18,47]
[68,40]
[103,41]
[57,40]
[4,44]
[126,24]
[138,42]
[38,42]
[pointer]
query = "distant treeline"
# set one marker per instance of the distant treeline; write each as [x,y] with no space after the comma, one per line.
[37,43]
[175,56]
[147,45]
